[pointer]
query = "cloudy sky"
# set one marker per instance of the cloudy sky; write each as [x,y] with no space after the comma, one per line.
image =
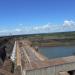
[36,16]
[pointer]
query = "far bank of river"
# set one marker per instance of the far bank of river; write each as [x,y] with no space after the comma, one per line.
[53,44]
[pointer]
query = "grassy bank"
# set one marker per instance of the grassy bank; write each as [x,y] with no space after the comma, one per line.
[55,39]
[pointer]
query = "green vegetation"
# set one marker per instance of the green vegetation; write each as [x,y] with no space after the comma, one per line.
[53,39]
[47,39]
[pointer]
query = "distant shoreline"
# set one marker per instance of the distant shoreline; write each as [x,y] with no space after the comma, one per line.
[55,45]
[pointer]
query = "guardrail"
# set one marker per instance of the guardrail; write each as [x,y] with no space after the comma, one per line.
[13,55]
[16,59]
[18,55]
[18,70]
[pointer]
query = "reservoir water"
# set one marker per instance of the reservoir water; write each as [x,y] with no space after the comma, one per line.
[56,52]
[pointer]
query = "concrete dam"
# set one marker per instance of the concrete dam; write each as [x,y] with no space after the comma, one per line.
[26,60]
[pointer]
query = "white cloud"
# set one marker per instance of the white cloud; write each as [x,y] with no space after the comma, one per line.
[68,25]
[18,30]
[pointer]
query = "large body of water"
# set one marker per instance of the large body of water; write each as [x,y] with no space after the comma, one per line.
[56,52]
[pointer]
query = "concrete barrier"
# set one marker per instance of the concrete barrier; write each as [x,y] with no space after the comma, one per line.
[53,70]
[16,59]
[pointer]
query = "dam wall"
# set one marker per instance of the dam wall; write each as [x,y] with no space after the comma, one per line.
[52,70]
[28,62]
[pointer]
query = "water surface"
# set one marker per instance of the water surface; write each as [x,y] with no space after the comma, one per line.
[56,52]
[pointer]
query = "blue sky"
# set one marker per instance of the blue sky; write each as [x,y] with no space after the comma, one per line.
[36,16]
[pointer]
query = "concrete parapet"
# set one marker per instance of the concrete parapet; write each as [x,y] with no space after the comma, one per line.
[17,71]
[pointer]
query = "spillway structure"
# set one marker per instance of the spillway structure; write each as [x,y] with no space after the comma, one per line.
[26,60]
[31,62]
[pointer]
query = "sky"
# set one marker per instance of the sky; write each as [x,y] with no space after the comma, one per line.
[36,16]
